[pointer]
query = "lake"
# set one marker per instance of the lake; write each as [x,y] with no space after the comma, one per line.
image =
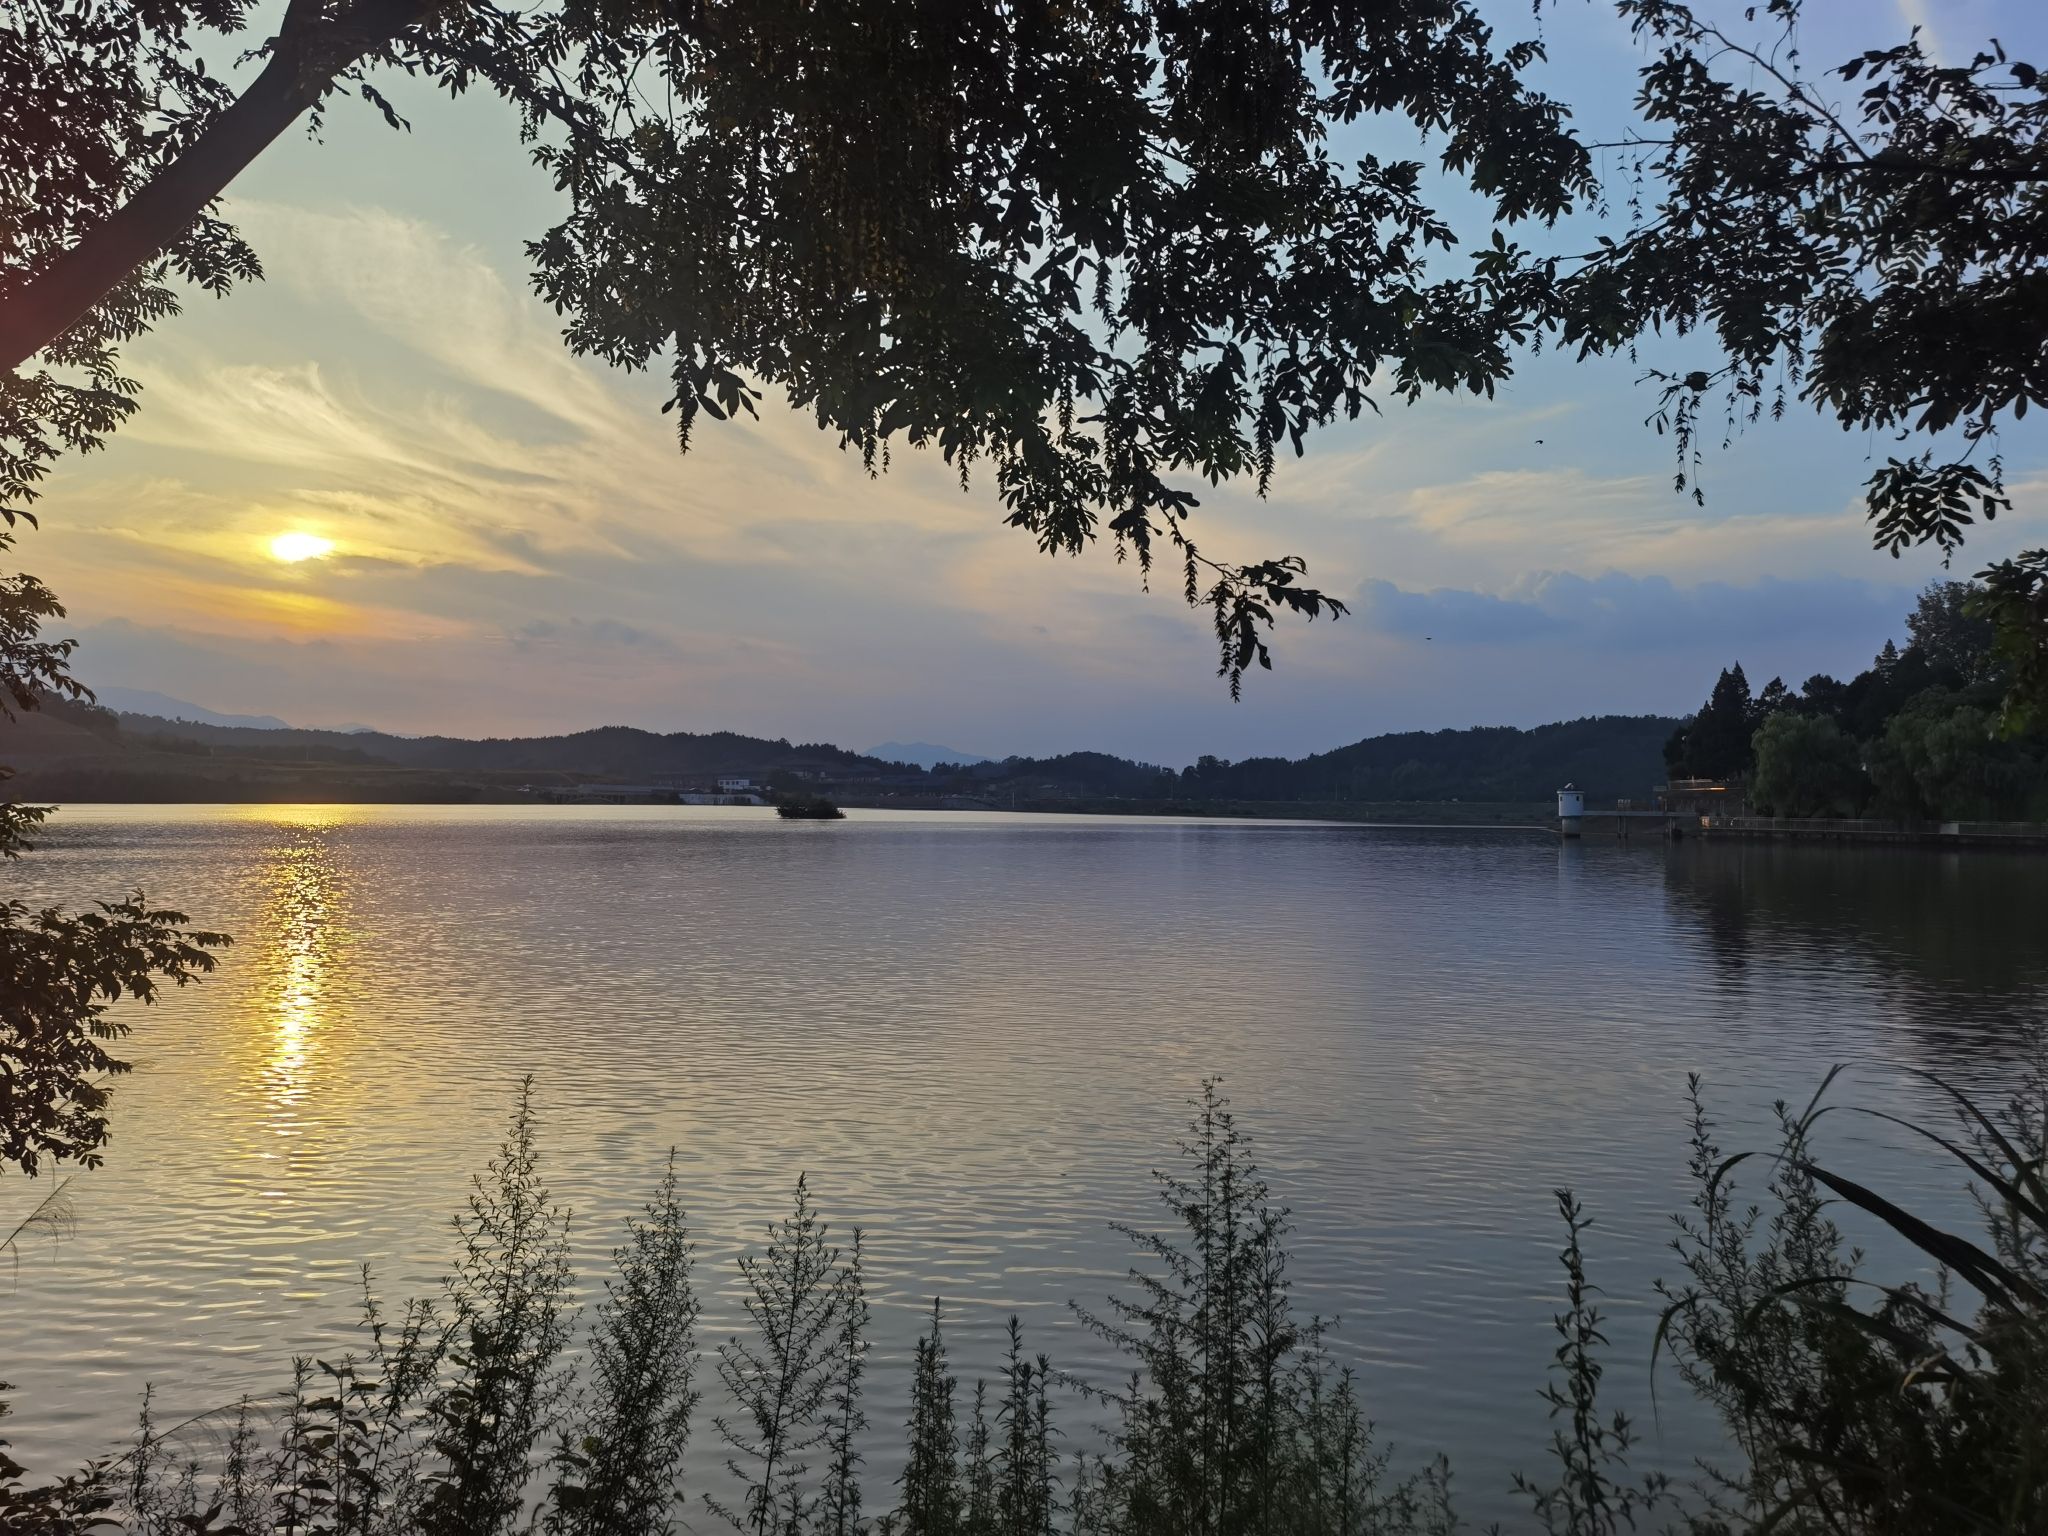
[977,1034]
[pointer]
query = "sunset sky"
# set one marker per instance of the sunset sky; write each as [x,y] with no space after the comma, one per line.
[517,547]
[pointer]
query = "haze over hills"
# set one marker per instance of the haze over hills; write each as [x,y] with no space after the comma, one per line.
[71,752]
[161,706]
[923,753]
[146,701]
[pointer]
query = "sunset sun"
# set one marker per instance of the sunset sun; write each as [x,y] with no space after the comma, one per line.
[294,547]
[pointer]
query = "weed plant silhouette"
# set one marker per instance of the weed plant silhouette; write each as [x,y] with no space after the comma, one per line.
[1233,1420]
[1853,1408]
[508,1296]
[617,1473]
[1912,1413]
[782,1379]
[840,1515]
[931,1503]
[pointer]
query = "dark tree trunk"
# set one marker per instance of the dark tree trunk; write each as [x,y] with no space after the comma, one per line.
[149,223]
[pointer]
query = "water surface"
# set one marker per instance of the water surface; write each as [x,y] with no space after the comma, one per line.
[976,1033]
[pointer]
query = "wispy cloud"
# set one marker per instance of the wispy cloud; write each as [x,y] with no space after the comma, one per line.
[520,546]
[1642,614]
[1914,13]
[587,634]
[417,463]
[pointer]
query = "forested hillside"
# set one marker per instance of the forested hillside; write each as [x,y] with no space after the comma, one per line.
[610,752]
[73,752]
[1608,756]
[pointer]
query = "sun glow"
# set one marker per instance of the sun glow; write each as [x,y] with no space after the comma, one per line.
[294,547]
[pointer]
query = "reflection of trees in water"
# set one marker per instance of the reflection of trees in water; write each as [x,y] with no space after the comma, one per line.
[1957,938]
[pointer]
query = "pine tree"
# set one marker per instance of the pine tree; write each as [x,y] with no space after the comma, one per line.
[1715,743]
[1775,696]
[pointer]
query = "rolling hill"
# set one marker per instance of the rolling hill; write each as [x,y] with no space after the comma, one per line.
[70,752]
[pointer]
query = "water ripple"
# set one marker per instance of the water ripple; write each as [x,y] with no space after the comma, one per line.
[976,1034]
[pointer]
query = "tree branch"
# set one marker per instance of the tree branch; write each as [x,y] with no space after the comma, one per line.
[304,60]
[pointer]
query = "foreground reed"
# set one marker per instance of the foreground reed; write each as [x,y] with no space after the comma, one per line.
[1852,1407]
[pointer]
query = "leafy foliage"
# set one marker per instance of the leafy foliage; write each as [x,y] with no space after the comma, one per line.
[931,1502]
[74,1505]
[62,971]
[1884,262]
[102,100]
[1910,1414]
[1915,737]
[507,1299]
[1589,1498]
[1233,1419]
[1806,765]
[31,668]
[1104,250]
[2014,600]
[1852,1408]
[966,228]
[839,1515]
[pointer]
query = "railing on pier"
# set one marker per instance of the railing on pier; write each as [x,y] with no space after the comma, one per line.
[2016,833]
[1808,824]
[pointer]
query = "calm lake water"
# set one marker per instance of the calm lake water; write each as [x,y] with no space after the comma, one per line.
[977,1034]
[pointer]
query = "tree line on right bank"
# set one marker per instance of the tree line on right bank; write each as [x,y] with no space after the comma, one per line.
[1924,733]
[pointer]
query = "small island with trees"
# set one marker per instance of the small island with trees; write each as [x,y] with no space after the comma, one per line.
[808,808]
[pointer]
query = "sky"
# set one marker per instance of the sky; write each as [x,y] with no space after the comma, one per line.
[518,547]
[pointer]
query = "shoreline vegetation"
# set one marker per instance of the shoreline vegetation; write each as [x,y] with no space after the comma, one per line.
[1849,1405]
[74,753]
[1914,741]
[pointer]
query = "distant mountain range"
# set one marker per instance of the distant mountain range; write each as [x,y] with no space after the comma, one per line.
[161,706]
[924,754]
[142,701]
[71,752]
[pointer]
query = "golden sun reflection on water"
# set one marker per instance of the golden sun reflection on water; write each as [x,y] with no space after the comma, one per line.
[305,933]
[292,817]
